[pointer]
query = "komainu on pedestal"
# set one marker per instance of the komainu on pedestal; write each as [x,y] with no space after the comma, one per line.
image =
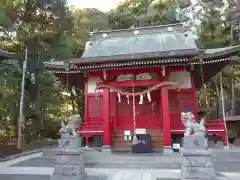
[197,163]
[69,162]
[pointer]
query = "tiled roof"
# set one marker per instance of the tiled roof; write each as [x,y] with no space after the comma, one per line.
[139,43]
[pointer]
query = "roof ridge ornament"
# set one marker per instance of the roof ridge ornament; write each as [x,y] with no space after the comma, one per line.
[136,32]
[104,35]
[88,44]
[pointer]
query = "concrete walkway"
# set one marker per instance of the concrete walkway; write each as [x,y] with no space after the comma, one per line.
[112,174]
[11,171]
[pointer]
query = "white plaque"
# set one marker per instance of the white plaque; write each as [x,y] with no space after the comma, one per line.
[141,131]
[127,133]
[176,146]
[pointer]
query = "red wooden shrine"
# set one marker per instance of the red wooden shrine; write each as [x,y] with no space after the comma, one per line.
[142,58]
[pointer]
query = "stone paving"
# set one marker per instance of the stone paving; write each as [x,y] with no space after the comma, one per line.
[224,162]
[36,167]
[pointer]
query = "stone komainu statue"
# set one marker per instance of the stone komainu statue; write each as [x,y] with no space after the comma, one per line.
[71,124]
[191,126]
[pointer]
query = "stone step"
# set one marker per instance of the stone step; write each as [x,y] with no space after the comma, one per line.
[133,165]
[49,153]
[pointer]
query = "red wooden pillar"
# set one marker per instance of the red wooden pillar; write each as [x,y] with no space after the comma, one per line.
[165,117]
[86,100]
[113,108]
[225,142]
[106,118]
[87,140]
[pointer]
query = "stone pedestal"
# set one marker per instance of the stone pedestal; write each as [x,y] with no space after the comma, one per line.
[69,161]
[197,163]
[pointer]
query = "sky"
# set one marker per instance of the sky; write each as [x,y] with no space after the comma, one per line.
[103,5]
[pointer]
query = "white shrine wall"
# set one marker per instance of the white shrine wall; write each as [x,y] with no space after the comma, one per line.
[92,81]
[182,77]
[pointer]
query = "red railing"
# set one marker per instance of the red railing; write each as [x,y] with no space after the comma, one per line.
[93,124]
[216,127]
[91,128]
[213,126]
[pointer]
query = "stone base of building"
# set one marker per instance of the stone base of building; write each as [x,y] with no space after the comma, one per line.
[107,150]
[167,150]
[226,147]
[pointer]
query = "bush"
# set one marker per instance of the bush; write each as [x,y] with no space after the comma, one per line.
[51,129]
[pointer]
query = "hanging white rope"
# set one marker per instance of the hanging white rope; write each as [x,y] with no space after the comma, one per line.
[135,140]
[149,96]
[153,88]
[141,99]
[128,101]
[119,97]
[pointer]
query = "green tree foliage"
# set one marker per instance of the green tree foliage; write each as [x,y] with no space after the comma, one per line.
[86,20]
[215,32]
[143,13]
[45,28]
[212,27]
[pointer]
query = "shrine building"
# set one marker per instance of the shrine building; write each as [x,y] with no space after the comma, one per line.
[138,81]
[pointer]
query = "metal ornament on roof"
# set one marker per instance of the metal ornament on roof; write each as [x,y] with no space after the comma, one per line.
[136,32]
[88,44]
[170,29]
[104,35]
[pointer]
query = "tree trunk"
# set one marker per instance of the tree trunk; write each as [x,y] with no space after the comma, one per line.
[233,96]
[73,102]
[222,96]
[38,121]
[218,99]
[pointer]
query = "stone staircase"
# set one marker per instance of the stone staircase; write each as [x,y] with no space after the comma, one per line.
[119,144]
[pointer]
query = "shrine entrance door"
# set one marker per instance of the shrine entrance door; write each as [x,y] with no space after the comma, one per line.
[147,114]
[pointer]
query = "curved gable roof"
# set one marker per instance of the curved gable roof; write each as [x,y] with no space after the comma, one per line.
[137,43]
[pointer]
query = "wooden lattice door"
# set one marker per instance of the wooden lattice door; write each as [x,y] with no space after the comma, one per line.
[124,118]
[147,114]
